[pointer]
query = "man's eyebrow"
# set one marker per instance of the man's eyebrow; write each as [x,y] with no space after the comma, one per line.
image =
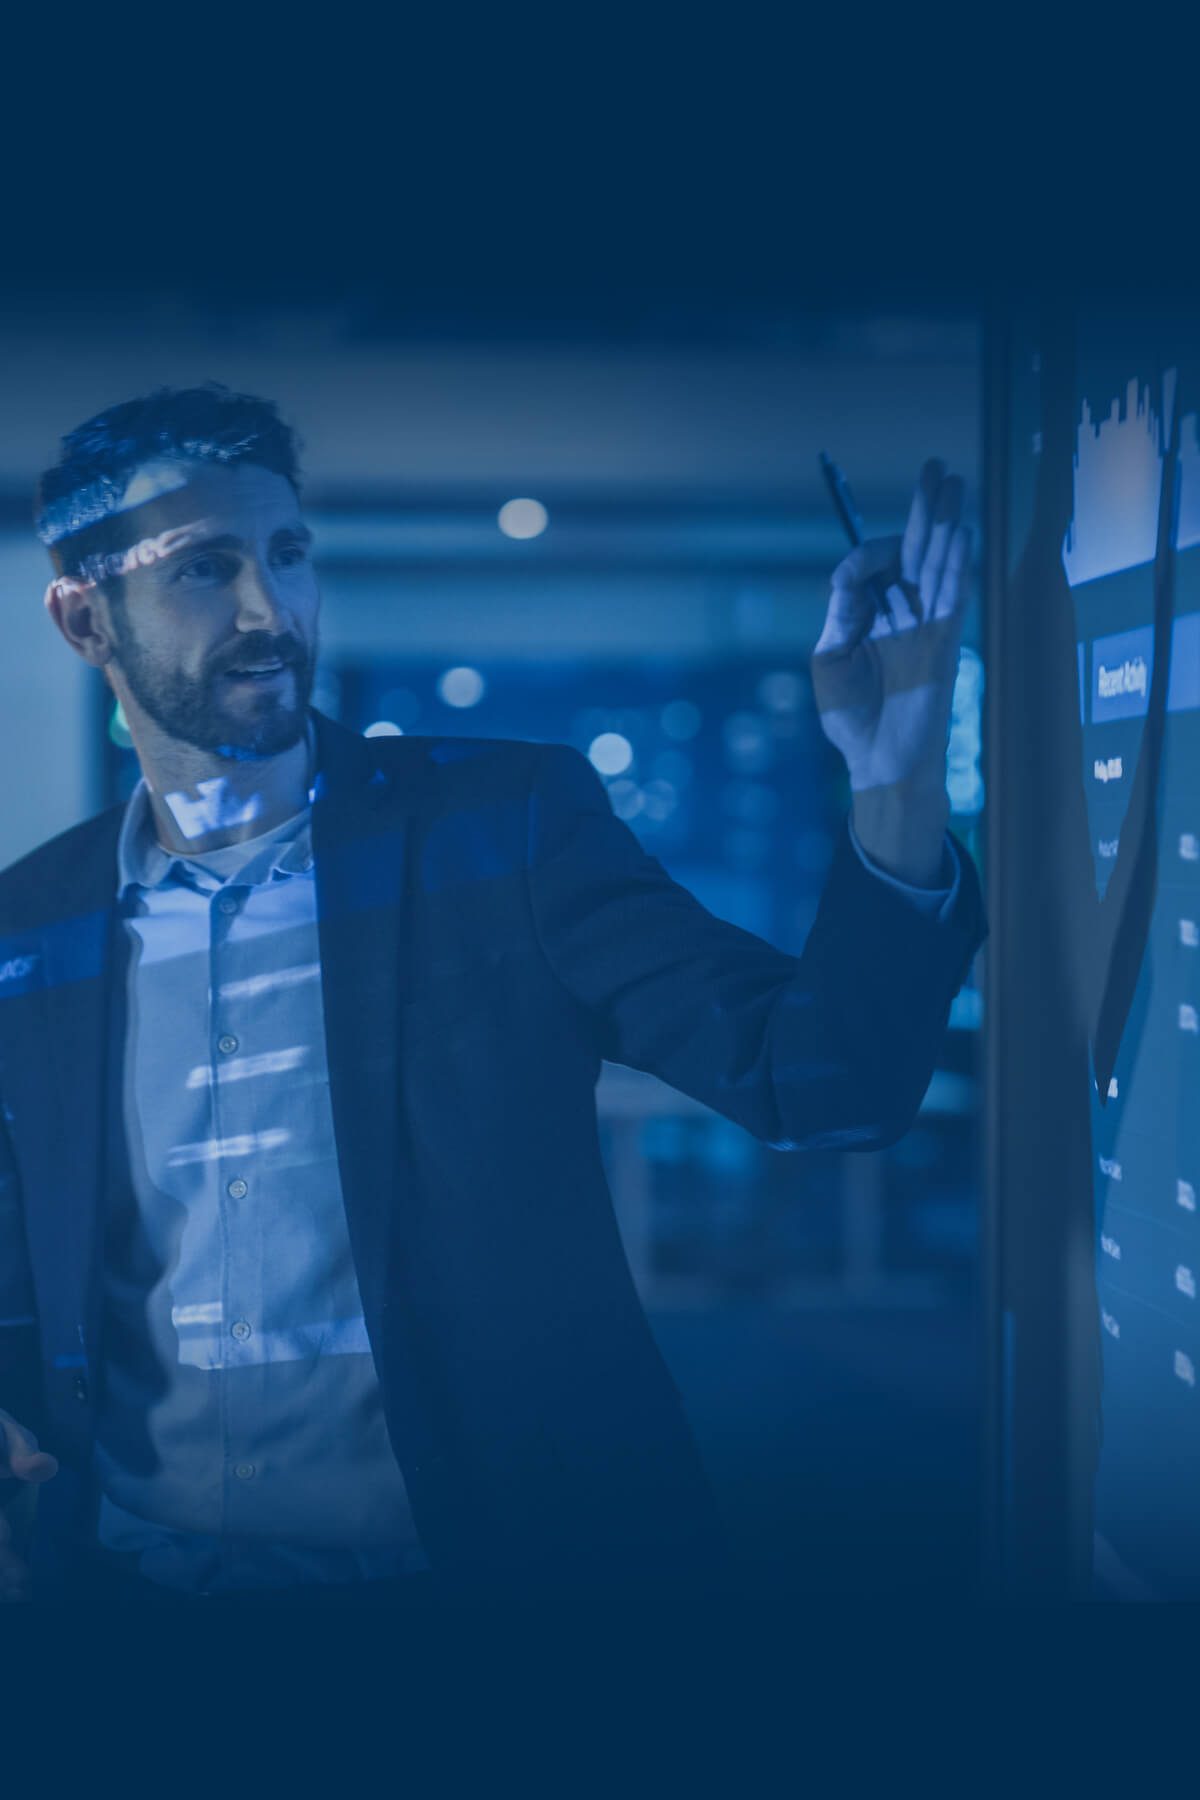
[225,540]
[228,540]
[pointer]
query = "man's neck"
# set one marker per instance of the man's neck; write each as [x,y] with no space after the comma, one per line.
[201,803]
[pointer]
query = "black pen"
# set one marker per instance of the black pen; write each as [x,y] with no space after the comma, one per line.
[847,512]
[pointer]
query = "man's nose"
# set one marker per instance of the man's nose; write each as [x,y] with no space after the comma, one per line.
[258,605]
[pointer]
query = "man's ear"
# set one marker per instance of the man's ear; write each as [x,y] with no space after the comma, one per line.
[72,604]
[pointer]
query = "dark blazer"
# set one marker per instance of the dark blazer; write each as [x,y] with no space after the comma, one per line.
[489,933]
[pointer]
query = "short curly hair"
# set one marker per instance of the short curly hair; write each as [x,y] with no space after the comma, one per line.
[77,507]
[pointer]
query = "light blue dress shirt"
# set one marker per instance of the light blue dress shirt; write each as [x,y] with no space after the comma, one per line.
[241,1438]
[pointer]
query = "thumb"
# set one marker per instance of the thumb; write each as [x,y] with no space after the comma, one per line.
[849,617]
[878,556]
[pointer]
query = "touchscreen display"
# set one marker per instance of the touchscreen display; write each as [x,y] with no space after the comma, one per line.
[1131,558]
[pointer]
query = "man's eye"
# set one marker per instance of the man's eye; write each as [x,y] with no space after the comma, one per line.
[290,555]
[204,568]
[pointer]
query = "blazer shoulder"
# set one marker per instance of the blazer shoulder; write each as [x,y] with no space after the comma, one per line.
[455,767]
[41,883]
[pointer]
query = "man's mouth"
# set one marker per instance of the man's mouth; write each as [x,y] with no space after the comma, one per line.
[260,671]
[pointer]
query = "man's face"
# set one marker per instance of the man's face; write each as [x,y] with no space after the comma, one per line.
[215,621]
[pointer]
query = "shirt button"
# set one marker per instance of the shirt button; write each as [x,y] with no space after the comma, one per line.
[227,1045]
[240,1329]
[244,1471]
[227,904]
[237,1189]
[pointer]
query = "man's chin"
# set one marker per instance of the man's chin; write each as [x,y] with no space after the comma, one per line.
[246,740]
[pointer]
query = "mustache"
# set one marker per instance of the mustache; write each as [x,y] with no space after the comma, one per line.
[259,647]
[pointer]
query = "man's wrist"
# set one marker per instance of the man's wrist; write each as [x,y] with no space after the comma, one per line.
[902,830]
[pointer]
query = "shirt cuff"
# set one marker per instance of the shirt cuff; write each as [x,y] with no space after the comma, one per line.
[935,903]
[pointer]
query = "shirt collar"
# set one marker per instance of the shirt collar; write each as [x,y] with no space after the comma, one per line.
[142,861]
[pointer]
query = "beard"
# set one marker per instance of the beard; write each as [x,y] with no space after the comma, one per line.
[204,712]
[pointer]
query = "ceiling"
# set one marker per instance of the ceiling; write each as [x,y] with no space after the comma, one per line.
[662,405]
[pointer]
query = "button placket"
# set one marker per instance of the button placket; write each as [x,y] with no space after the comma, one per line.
[232,1029]
[225,907]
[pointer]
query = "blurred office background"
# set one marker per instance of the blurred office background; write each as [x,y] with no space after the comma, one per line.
[609,530]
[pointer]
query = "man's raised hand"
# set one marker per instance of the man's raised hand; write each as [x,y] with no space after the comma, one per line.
[883,688]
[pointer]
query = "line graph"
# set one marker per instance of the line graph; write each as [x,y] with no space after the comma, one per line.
[1117,477]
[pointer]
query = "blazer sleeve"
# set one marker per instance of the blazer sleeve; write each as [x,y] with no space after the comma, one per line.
[831,1050]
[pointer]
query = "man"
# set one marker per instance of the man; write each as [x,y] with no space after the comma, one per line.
[309,1277]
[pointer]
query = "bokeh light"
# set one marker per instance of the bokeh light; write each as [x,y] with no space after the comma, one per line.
[626,798]
[523,518]
[782,691]
[659,800]
[461,687]
[747,743]
[610,753]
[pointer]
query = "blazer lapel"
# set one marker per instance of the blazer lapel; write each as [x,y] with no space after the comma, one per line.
[361,838]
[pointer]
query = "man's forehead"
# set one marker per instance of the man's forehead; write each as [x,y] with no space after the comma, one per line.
[240,501]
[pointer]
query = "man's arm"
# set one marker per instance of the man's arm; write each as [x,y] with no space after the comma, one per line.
[935,902]
[830,1050]
[834,1049]
[902,830]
